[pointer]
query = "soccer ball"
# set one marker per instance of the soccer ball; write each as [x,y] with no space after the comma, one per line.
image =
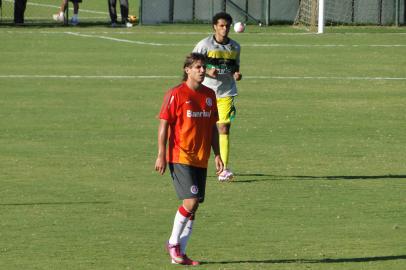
[239,27]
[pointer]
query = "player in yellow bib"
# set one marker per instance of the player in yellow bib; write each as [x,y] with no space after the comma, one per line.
[223,70]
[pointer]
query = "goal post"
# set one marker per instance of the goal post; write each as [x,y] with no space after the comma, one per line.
[311,15]
[320,24]
[316,14]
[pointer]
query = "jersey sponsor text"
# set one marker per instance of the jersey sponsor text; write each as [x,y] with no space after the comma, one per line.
[192,114]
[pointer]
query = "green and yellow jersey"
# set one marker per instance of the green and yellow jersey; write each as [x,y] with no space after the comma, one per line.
[226,59]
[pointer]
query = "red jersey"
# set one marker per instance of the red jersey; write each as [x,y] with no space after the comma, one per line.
[191,115]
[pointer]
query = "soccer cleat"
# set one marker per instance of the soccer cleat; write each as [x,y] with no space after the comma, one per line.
[174,253]
[225,176]
[128,25]
[189,261]
[74,21]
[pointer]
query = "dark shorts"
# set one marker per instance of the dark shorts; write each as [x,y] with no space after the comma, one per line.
[189,181]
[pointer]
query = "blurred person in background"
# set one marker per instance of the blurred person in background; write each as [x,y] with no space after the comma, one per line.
[19,9]
[124,7]
[60,16]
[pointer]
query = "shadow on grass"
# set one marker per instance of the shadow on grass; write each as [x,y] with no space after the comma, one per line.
[327,260]
[53,203]
[241,178]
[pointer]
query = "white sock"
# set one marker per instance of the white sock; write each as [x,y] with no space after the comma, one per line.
[179,223]
[187,232]
[62,14]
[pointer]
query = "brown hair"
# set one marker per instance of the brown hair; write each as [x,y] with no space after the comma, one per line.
[190,60]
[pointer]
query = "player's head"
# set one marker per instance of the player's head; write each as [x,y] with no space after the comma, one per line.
[222,16]
[221,23]
[193,60]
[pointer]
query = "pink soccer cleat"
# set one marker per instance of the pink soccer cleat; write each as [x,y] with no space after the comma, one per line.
[174,253]
[189,261]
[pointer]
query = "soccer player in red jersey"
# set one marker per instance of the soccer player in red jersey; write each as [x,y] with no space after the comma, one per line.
[188,126]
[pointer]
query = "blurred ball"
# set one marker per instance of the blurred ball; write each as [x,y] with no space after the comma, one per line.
[239,27]
[132,19]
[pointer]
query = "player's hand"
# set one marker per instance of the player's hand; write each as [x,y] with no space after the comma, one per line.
[212,72]
[237,76]
[160,165]
[219,164]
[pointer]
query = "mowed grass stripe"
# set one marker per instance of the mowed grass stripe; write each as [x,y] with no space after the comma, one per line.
[172,77]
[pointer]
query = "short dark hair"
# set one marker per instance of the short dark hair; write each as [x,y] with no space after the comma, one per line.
[190,60]
[222,15]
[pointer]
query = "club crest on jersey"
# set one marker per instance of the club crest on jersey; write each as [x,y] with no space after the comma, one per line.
[209,102]
[194,189]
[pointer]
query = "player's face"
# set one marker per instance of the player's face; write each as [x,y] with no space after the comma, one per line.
[196,72]
[222,28]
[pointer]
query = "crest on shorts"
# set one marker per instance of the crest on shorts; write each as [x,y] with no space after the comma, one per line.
[209,102]
[194,189]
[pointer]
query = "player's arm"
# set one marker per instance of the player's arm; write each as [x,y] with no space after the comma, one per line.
[216,150]
[237,74]
[160,163]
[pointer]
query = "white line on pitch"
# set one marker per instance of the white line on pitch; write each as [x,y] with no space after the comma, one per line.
[322,45]
[89,76]
[244,45]
[191,33]
[117,39]
[326,78]
[171,77]
[276,45]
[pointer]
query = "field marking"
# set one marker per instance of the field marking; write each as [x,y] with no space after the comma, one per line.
[103,35]
[202,33]
[116,39]
[242,44]
[89,76]
[349,78]
[275,33]
[322,45]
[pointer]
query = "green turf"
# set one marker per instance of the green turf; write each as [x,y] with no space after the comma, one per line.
[319,157]
[40,11]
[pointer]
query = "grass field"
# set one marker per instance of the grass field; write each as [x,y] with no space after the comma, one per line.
[40,11]
[318,146]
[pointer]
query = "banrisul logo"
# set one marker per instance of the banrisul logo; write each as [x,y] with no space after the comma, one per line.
[192,114]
